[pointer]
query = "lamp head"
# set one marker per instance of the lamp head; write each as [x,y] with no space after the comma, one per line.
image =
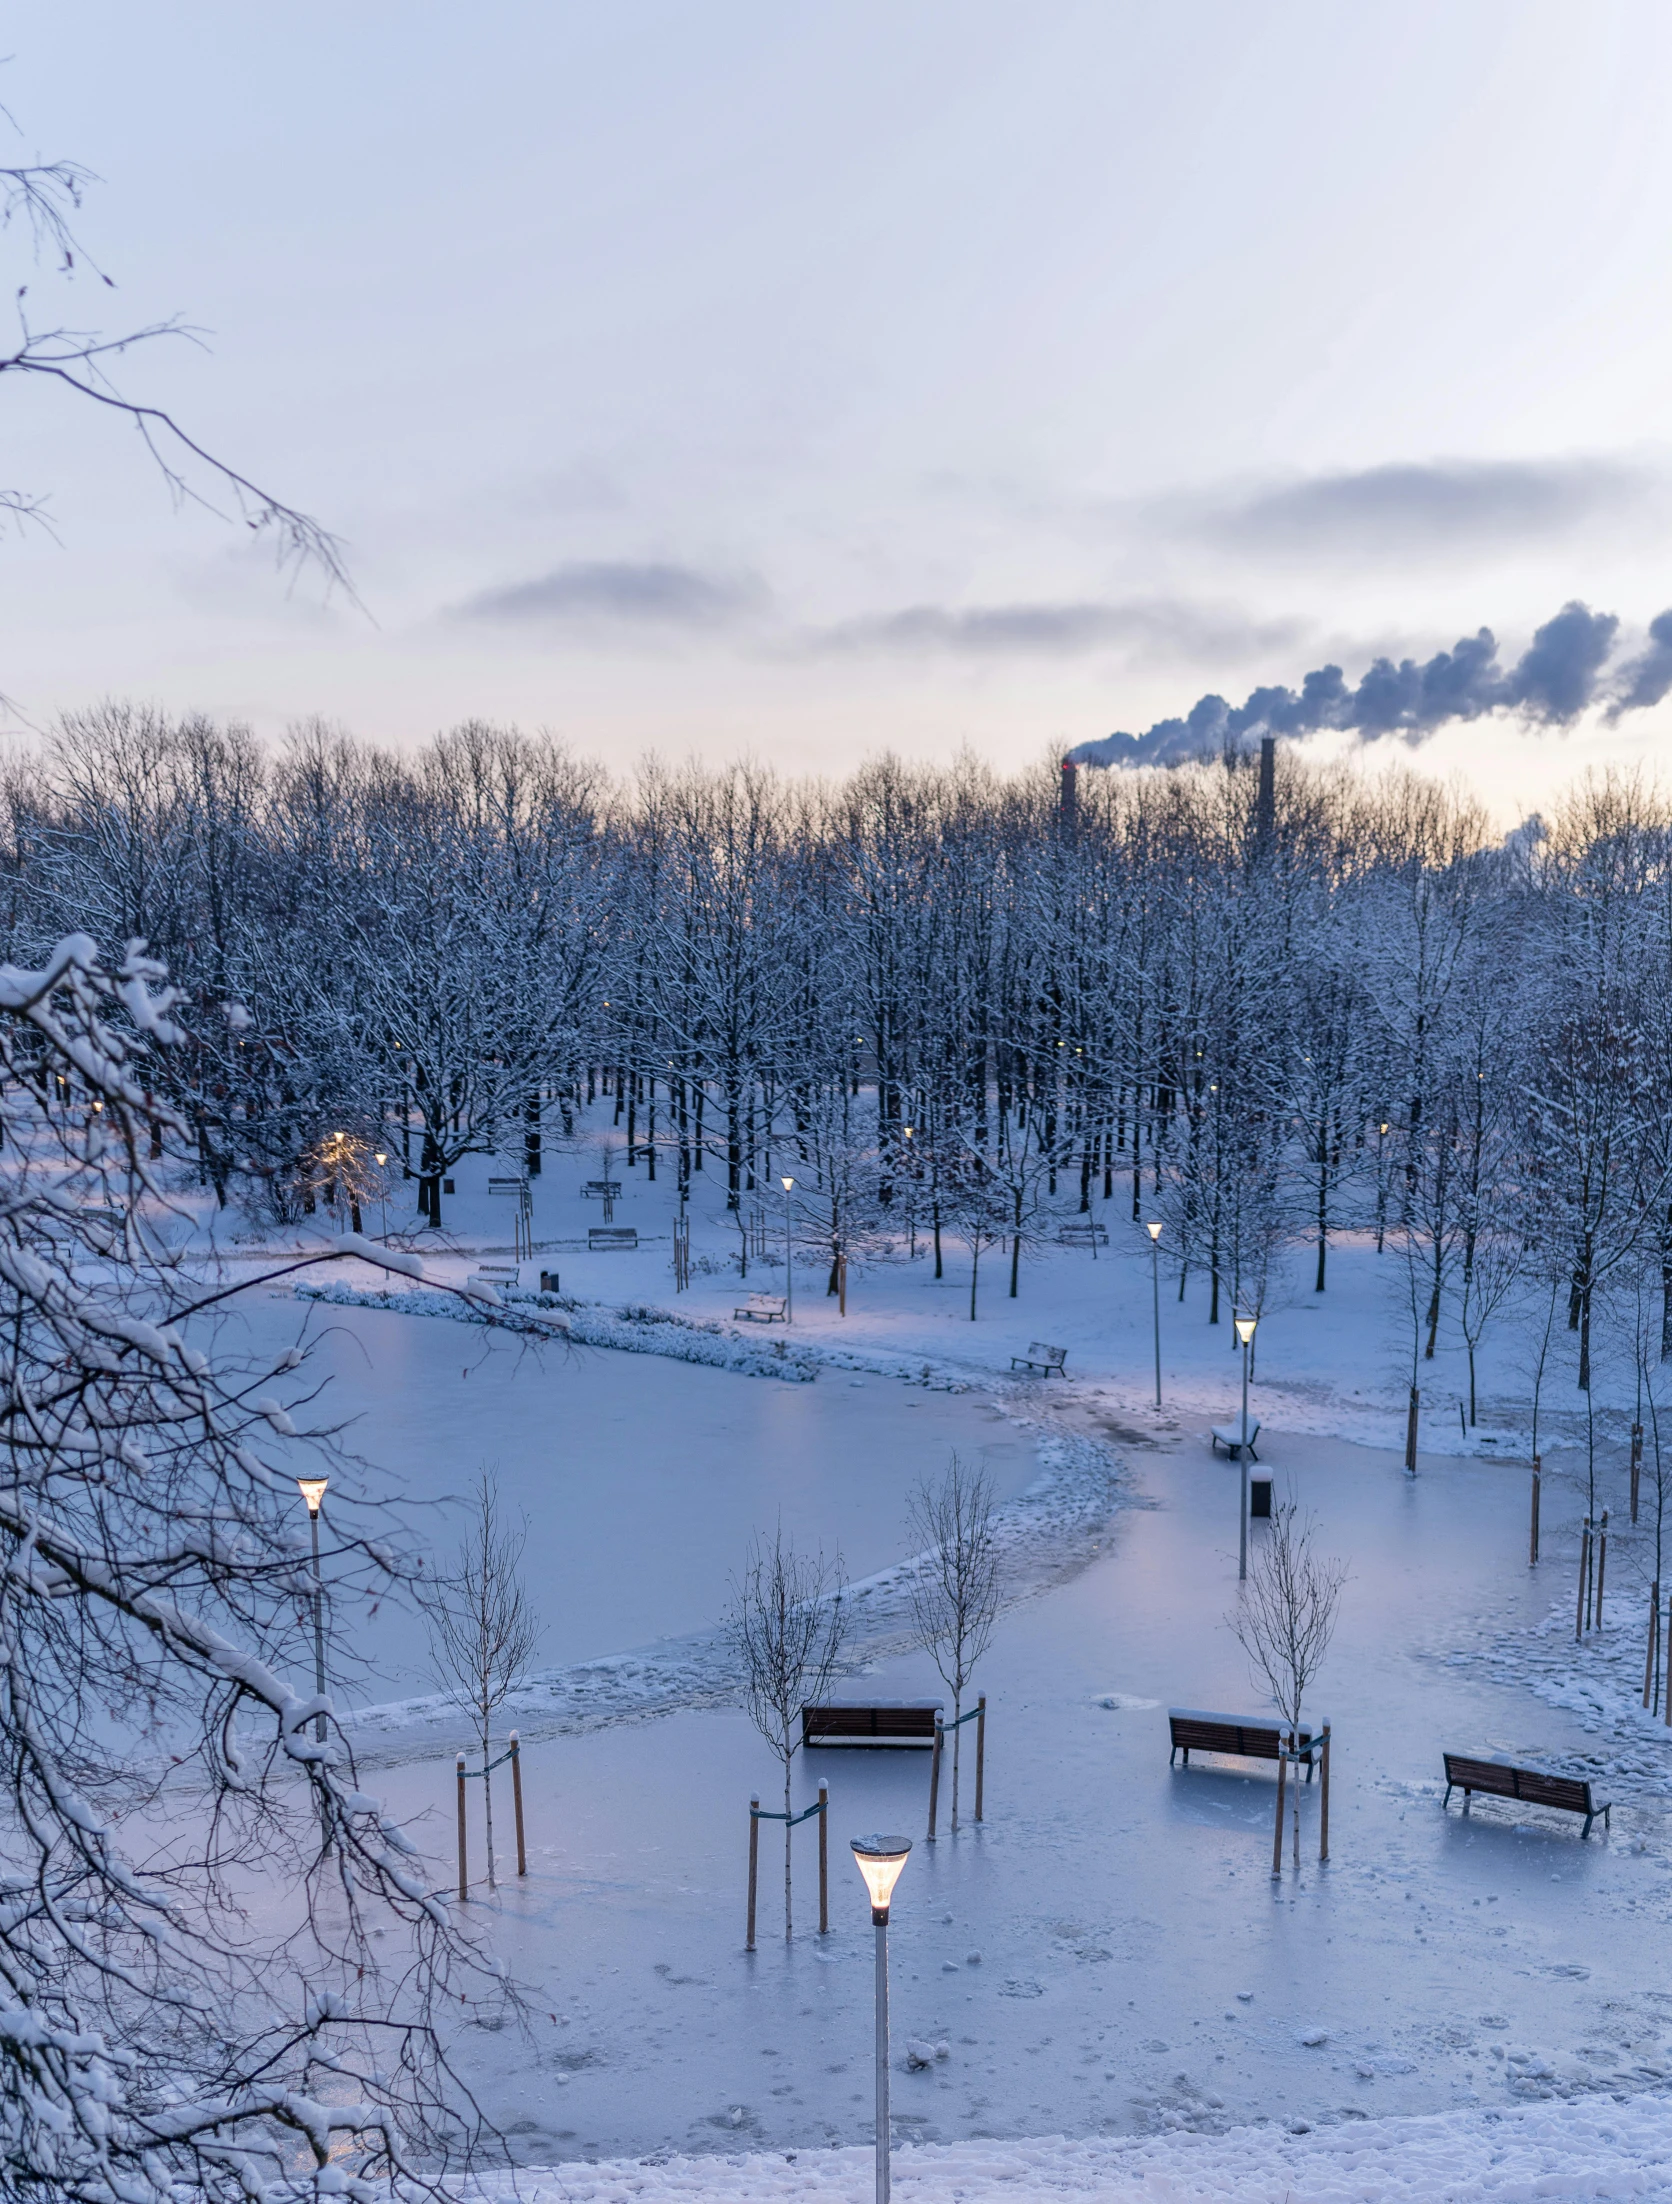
[909,1130]
[1245,1329]
[312,1490]
[786,1184]
[1384,1124]
[879,1860]
[1154,1231]
[381,1158]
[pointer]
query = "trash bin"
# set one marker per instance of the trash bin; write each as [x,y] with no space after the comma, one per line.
[1259,1496]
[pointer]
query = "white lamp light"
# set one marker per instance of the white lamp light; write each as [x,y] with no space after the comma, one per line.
[1245,1329]
[312,1490]
[879,1860]
[1154,1231]
[786,1184]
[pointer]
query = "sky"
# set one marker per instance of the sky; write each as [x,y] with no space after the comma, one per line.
[802,383]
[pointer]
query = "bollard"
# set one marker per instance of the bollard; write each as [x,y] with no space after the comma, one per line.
[1277,1840]
[516,1799]
[934,1774]
[754,1868]
[464,1886]
[1636,1465]
[824,1859]
[980,1752]
[1602,1566]
[1532,1556]
[1323,1800]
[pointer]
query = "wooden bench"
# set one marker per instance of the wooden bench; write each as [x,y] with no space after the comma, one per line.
[1046,1360]
[1230,1438]
[601,1189]
[512,1271]
[765,1308]
[1083,1234]
[1249,1736]
[881,1722]
[605,1237]
[1528,1786]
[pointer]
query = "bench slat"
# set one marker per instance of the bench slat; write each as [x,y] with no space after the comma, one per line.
[1495,1778]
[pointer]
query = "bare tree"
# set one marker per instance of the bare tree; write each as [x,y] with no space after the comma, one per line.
[788,1624]
[41,201]
[955,1593]
[1285,1617]
[482,1629]
[166,2039]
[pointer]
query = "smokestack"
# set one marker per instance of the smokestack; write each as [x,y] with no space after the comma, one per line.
[1265,808]
[1068,806]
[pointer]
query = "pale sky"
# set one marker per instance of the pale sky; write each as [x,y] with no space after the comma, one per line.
[802,382]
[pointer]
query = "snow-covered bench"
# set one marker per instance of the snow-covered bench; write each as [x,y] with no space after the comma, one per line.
[765,1308]
[1046,1360]
[1229,1436]
[601,1189]
[1248,1736]
[1083,1232]
[607,1236]
[878,1722]
[1528,1786]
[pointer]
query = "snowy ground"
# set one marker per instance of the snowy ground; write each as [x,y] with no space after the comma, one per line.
[1108,1956]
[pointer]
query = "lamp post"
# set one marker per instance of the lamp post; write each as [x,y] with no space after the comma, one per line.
[911,1203]
[1154,1231]
[1245,1332]
[789,1255]
[383,1191]
[879,1860]
[312,1490]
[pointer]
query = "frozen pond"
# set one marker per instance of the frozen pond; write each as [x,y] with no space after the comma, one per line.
[642,1480]
[1110,1951]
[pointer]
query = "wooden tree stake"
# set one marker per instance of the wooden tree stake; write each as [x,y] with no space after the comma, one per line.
[1323,1800]
[1653,1646]
[1532,1554]
[824,1859]
[516,1796]
[1584,1578]
[464,1886]
[1277,1840]
[1602,1566]
[754,1868]
[934,1774]
[1636,1465]
[980,1751]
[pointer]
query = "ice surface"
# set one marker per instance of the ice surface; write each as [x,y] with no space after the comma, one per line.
[1139,1974]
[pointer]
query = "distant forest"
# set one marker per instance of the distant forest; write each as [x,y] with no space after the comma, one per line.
[944,999]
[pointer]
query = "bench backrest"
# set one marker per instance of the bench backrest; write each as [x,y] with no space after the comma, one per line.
[911,1718]
[1039,1352]
[1253,1736]
[613,1235]
[1534,1786]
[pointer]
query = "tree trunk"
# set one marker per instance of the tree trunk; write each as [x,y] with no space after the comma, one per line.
[789,1922]
[487,1808]
[957,1746]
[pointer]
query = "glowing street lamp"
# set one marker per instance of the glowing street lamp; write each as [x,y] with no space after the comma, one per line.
[1245,1332]
[383,1191]
[879,1860]
[789,1255]
[312,1490]
[1154,1231]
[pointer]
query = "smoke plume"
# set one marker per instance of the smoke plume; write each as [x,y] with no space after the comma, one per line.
[1563,671]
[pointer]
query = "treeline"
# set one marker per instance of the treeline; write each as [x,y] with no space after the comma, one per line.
[938,998]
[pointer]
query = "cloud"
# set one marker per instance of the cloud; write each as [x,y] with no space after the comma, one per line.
[1412,506]
[618,592]
[1558,676]
[1645,679]
[1161,626]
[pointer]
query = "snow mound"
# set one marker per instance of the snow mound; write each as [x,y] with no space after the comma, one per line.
[1595,2148]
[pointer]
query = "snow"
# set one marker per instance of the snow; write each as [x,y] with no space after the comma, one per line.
[1527,2156]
